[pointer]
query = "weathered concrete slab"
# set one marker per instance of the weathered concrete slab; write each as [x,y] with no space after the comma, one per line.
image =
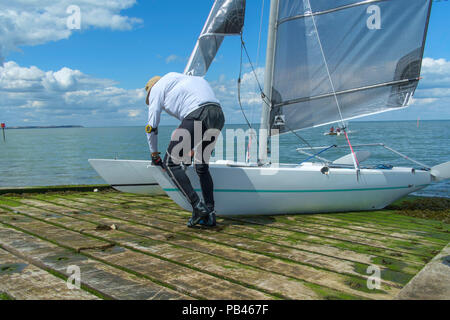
[189,281]
[267,281]
[324,261]
[433,282]
[285,247]
[23,281]
[134,233]
[106,281]
[338,233]
[149,253]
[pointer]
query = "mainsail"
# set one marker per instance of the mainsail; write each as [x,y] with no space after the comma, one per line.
[343,59]
[226,18]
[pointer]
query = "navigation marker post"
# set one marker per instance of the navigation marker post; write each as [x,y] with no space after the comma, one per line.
[3,129]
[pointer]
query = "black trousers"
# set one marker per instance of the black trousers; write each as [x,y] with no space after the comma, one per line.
[197,132]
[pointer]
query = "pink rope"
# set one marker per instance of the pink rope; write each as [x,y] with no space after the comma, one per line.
[351,148]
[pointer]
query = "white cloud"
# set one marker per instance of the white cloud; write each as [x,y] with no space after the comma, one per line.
[134,113]
[436,81]
[422,101]
[172,58]
[226,91]
[29,95]
[435,66]
[33,22]
[71,96]
[49,97]
[435,73]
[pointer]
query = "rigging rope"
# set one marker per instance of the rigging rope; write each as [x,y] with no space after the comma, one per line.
[249,145]
[260,33]
[299,137]
[252,132]
[258,53]
[239,86]
[318,153]
[263,96]
[355,160]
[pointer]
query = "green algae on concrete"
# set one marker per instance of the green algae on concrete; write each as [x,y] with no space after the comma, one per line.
[322,256]
[5,296]
[424,208]
[207,268]
[264,248]
[25,281]
[97,278]
[387,262]
[43,189]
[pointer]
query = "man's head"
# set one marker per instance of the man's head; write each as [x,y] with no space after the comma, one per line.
[149,86]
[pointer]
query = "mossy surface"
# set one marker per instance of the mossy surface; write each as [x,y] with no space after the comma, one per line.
[437,209]
[12,268]
[330,294]
[8,202]
[5,296]
[63,188]
[419,229]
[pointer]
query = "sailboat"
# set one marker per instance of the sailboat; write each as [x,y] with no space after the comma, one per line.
[338,131]
[326,62]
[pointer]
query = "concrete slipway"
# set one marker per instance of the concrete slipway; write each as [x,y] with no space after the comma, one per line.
[136,247]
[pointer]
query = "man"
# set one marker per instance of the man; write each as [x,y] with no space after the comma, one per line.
[192,101]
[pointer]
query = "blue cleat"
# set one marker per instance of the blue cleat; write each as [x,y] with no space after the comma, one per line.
[210,221]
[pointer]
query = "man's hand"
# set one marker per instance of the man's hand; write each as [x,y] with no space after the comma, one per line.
[156,159]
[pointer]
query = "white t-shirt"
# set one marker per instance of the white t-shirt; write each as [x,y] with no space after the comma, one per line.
[178,95]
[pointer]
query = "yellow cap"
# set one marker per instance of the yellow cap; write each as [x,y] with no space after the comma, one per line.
[149,86]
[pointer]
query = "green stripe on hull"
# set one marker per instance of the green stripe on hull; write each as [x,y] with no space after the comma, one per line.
[300,191]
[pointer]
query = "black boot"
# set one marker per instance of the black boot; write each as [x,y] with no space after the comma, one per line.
[210,221]
[199,212]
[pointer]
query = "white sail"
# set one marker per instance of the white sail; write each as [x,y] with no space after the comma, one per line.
[226,18]
[342,59]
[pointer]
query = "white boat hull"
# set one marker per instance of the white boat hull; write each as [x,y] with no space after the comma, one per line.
[289,189]
[294,189]
[132,176]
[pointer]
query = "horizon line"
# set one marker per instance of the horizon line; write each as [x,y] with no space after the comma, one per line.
[171,125]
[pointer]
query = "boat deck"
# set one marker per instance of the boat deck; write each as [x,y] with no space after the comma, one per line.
[138,247]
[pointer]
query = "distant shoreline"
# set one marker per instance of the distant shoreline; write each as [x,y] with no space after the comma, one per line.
[42,127]
[234,124]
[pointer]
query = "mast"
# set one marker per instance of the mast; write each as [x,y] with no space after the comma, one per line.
[270,56]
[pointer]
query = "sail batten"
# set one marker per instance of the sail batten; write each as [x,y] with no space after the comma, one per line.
[386,84]
[309,14]
[345,59]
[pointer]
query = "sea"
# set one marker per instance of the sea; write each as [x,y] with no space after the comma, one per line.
[59,156]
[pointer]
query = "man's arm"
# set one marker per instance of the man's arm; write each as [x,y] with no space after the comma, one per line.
[156,159]
[154,116]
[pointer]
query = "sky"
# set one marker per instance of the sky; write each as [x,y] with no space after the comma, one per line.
[94,76]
